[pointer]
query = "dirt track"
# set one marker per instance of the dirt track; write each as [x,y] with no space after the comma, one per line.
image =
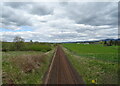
[61,71]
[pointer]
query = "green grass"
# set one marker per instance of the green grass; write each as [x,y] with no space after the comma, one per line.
[91,48]
[101,52]
[12,66]
[94,62]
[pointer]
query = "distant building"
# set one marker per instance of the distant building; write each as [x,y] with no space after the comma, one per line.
[85,43]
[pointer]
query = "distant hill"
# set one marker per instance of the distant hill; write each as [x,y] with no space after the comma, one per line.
[110,39]
[92,41]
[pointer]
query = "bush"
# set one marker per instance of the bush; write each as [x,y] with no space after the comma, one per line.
[26,46]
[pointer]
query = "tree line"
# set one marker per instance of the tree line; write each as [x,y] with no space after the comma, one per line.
[19,44]
[112,42]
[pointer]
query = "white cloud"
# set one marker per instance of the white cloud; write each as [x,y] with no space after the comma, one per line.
[58,21]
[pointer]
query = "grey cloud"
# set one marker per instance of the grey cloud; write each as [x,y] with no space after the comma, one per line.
[33,8]
[20,14]
[64,3]
[10,16]
[64,21]
[16,4]
[93,13]
[41,10]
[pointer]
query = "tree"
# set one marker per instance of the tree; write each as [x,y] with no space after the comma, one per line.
[18,39]
[31,41]
[117,42]
[105,43]
[110,43]
[19,42]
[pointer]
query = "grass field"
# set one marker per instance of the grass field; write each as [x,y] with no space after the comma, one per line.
[94,62]
[96,51]
[23,67]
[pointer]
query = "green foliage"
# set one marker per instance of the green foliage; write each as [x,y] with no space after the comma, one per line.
[8,46]
[37,47]
[26,46]
[112,42]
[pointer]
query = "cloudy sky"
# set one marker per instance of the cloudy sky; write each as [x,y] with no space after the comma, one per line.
[59,21]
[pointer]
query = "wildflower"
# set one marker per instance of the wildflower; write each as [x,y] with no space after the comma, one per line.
[93,81]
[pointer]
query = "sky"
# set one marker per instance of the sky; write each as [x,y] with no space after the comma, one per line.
[59,21]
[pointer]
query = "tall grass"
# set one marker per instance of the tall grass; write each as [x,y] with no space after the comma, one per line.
[24,67]
[92,69]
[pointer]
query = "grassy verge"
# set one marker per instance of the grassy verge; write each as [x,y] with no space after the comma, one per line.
[103,71]
[24,67]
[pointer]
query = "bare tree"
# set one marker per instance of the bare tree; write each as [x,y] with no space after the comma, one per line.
[18,39]
[19,42]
